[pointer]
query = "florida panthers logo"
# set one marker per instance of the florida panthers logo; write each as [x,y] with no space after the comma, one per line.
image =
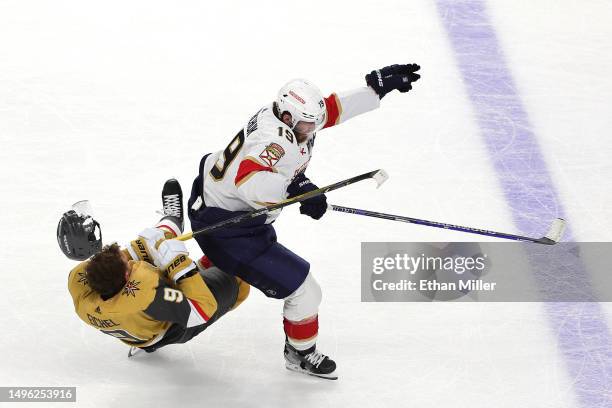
[272,154]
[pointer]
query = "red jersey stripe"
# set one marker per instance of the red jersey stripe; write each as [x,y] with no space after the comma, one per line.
[247,167]
[333,110]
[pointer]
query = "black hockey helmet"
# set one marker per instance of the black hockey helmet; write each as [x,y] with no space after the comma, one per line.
[78,236]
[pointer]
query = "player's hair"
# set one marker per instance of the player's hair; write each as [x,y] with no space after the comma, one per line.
[105,271]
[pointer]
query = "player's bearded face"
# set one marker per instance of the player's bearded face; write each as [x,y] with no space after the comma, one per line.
[303,130]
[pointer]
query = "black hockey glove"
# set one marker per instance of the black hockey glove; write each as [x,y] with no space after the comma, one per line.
[396,76]
[314,207]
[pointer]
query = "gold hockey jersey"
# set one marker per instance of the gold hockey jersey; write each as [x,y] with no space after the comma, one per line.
[149,303]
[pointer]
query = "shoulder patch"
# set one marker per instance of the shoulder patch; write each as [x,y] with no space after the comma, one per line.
[272,154]
[83,278]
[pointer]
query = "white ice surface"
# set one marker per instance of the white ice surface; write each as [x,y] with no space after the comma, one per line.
[104,101]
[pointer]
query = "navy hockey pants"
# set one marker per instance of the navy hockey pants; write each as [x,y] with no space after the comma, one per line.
[248,250]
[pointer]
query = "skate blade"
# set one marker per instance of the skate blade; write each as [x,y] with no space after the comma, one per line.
[298,369]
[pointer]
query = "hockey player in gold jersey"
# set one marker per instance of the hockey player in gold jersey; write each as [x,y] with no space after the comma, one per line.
[151,293]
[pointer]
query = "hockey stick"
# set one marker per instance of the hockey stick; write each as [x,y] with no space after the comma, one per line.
[380,176]
[552,237]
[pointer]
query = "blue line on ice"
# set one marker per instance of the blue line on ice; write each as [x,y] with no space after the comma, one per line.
[582,334]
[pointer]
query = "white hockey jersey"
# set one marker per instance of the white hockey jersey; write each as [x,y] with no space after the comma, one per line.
[260,162]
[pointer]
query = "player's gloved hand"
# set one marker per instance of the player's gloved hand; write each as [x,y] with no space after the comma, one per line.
[392,77]
[146,245]
[314,207]
[152,236]
[174,258]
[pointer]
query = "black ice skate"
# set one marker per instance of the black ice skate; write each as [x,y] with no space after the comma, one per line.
[172,200]
[310,362]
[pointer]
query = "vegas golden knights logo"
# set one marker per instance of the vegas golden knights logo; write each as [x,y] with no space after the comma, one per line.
[130,288]
[82,278]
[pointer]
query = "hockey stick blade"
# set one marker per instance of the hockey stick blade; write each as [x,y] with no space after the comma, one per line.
[555,232]
[380,176]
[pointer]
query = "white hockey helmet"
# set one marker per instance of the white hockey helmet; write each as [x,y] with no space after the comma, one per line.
[304,101]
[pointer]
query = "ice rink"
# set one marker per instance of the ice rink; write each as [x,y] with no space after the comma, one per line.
[508,128]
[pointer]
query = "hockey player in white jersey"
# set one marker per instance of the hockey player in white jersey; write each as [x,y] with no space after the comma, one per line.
[262,165]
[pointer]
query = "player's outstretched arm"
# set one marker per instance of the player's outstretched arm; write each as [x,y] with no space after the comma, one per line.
[342,106]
